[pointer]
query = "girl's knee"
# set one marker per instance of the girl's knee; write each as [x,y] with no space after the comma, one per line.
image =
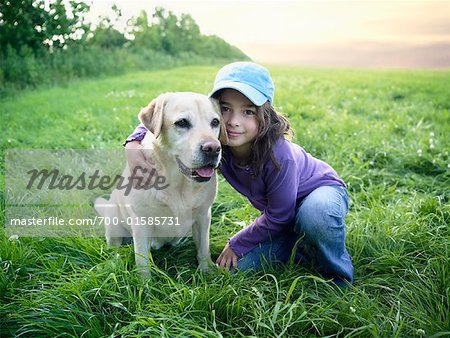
[322,213]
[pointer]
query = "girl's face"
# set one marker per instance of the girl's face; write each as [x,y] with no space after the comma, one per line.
[239,115]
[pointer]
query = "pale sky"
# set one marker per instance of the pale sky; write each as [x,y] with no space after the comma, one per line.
[395,33]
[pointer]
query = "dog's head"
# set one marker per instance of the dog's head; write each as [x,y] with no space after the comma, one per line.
[190,128]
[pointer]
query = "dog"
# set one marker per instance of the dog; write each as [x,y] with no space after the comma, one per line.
[185,133]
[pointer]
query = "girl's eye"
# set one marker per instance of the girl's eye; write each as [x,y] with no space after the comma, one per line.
[224,109]
[249,112]
[183,123]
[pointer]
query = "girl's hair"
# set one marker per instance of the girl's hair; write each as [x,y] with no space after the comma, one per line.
[271,127]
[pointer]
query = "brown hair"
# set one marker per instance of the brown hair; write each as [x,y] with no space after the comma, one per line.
[271,127]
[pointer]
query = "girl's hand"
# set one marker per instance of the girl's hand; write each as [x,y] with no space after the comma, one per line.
[227,258]
[140,166]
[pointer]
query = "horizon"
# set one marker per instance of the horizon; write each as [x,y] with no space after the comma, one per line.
[368,34]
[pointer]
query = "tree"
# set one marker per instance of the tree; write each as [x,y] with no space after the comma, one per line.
[144,35]
[39,25]
[105,35]
[158,35]
[190,36]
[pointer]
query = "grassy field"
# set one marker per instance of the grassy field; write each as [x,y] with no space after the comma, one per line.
[386,133]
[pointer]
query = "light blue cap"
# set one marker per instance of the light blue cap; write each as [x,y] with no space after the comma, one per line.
[249,78]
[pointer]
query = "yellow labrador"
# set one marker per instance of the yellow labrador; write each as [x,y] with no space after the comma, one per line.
[184,143]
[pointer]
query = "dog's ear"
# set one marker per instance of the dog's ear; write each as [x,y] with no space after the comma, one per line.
[152,115]
[223,138]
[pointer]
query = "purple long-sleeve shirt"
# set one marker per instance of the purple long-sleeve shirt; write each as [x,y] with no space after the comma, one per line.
[276,193]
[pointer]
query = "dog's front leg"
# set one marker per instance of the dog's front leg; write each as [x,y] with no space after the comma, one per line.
[109,210]
[200,235]
[141,243]
[141,250]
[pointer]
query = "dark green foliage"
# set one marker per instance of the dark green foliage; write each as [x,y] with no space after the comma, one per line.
[167,32]
[39,24]
[41,45]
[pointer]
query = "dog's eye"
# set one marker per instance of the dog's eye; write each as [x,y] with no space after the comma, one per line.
[215,123]
[183,123]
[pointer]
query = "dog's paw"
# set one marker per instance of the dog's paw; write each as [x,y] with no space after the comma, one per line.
[206,265]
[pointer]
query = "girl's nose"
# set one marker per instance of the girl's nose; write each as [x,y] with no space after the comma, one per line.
[233,120]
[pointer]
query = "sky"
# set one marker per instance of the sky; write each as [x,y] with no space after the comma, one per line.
[373,34]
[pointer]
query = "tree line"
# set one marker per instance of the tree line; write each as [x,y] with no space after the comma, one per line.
[52,41]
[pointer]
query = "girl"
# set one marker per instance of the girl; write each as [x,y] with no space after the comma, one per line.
[302,200]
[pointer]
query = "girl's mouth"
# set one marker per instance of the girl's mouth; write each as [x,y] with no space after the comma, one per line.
[233,134]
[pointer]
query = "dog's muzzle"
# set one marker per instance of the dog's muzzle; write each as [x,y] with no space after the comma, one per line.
[202,174]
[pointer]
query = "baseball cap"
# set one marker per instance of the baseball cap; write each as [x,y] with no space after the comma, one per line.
[249,78]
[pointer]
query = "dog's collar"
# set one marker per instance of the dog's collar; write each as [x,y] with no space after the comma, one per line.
[190,173]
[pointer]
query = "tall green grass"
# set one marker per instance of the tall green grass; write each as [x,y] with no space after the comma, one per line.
[25,69]
[385,132]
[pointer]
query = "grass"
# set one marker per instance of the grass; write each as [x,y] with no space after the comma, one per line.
[385,132]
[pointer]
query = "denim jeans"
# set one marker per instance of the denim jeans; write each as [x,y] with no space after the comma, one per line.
[318,236]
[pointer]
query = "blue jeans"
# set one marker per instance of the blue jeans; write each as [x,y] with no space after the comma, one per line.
[318,236]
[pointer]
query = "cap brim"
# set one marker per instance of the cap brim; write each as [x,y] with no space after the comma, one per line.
[248,91]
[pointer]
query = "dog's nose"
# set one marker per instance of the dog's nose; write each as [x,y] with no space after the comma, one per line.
[211,148]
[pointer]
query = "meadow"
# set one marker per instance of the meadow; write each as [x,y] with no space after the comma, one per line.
[385,131]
